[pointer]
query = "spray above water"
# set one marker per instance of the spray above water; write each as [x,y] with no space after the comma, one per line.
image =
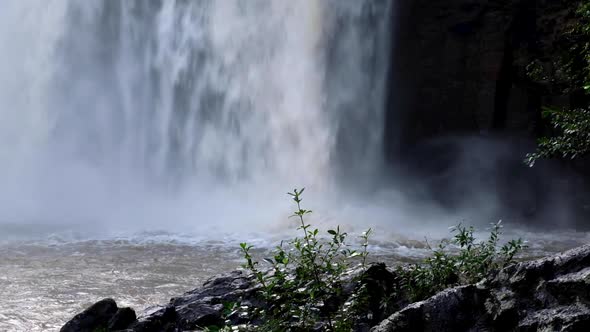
[132,113]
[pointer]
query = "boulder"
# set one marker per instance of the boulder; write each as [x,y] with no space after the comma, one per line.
[196,309]
[155,319]
[122,319]
[455,309]
[97,316]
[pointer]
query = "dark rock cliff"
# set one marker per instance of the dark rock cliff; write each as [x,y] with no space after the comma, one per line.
[460,66]
[463,111]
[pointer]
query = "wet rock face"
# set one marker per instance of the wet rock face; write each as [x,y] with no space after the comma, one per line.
[196,309]
[122,319]
[456,309]
[550,294]
[159,318]
[204,306]
[103,315]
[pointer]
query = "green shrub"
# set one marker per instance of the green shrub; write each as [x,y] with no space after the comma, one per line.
[303,284]
[468,263]
[305,277]
[572,139]
[569,72]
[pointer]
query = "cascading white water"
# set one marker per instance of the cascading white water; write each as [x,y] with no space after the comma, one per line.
[109,99]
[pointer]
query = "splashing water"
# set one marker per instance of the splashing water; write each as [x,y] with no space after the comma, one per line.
[114,112]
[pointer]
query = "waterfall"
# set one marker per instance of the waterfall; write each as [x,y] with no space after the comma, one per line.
[177,93]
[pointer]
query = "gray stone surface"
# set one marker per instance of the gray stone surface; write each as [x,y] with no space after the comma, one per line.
[549,294]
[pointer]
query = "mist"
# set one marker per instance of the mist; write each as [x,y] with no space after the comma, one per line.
[195,119]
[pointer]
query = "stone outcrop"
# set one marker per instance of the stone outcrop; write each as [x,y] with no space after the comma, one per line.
[456,309]
[104,314]
[550,294]
[196,309]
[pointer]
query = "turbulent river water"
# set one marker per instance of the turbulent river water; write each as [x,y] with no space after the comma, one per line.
[43,284]
[141,141]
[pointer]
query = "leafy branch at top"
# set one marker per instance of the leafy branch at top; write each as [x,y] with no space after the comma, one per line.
[304,278]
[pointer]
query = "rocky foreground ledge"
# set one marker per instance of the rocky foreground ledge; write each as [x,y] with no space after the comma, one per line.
[549,294]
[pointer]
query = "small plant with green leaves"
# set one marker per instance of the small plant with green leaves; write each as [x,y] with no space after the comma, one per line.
[302,286]
[304,278]
[471,261]
[572,139]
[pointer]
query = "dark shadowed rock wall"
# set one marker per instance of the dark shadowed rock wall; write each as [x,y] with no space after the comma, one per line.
[460,67]
[462,110]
